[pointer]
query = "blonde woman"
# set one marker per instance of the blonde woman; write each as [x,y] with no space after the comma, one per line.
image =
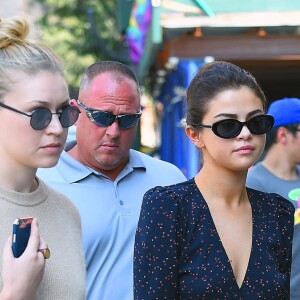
[34,118]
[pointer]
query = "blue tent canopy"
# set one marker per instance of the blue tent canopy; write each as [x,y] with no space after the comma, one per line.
[176,147]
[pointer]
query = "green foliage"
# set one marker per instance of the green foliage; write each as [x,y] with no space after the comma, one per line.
[67,28]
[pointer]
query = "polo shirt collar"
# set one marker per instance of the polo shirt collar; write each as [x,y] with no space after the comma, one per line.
[73,170]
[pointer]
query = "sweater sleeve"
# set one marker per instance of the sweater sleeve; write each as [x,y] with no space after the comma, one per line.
[156,247]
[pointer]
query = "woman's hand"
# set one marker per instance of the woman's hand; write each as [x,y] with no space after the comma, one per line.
[22,276]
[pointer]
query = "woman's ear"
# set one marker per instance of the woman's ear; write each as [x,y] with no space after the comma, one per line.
[195,136]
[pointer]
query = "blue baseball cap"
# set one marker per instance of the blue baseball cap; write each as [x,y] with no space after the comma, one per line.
[285,111]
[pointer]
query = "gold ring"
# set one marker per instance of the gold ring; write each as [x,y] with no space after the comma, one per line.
[46,252]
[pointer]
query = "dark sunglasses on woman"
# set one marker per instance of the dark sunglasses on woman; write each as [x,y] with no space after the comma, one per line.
[105,118]
[230,128]
[41,117]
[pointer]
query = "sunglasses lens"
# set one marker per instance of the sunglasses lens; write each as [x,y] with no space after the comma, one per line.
[102,118]
[69,116]
[40,118]
[260,124]
[227,129]
[128,121]
[105,119]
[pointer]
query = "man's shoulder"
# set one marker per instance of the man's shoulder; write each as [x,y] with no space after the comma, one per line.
[48,173]
[154,162]
[66,163]
[159,169]
[257,177]
[258,172]
[61,201]
[258,168]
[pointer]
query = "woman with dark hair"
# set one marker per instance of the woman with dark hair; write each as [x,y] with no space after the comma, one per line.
[211,237]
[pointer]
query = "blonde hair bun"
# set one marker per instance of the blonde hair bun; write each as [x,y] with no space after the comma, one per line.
[21,51]
[13,31]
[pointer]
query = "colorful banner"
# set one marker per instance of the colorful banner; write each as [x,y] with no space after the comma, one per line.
[139,24]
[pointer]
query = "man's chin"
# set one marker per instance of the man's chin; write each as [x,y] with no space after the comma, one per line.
[112,164]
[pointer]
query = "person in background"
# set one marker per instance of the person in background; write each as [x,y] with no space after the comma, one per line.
[105,178]
[34,118]
[279,171]
[211,237]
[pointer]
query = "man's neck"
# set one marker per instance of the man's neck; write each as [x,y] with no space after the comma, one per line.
[280,166]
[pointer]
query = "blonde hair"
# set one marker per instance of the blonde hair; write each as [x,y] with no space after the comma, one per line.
[20,53]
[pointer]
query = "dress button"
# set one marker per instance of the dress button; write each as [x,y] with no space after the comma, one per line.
[121,202]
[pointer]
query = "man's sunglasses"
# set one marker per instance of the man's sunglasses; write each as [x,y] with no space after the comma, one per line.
[41,117]
[105,118]
[231,128]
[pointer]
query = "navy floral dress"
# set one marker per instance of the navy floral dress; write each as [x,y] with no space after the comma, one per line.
[179,255]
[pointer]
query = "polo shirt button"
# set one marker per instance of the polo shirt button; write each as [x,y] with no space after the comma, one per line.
[121,202]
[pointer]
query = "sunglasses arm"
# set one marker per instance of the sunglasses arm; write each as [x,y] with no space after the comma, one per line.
[13,109]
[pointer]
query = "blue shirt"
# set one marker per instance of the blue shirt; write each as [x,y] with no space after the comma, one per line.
[109,212]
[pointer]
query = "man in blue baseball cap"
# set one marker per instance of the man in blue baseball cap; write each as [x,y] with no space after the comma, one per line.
[279,171]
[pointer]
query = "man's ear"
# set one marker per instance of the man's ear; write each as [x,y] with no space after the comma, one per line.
[74,102]
[195,136]
[282,135]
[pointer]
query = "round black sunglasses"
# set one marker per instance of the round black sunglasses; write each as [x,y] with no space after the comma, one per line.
[41,117]
[105,118]
[230,128]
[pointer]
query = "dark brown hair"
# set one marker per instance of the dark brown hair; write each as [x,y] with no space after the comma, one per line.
[212,79]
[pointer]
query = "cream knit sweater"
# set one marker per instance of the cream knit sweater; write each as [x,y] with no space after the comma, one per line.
[60,226]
